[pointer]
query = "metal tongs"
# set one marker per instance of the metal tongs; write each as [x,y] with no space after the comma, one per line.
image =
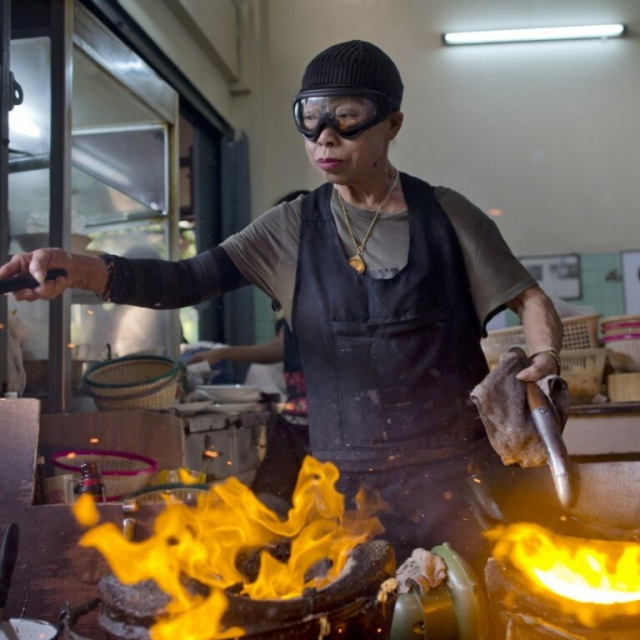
[549,431]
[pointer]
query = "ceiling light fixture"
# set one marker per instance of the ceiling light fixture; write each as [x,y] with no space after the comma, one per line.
[529,35]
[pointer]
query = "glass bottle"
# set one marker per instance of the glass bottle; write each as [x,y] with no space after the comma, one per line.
[91,481]
[40,493]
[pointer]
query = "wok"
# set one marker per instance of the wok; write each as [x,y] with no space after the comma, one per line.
[607,503]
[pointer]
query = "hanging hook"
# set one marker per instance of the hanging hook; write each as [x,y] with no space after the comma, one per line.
[17,94]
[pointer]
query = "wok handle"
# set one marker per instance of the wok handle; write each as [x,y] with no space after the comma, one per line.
[535,396]
[8,557]
[551,436]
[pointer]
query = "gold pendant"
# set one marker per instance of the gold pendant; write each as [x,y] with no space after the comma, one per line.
[357,264]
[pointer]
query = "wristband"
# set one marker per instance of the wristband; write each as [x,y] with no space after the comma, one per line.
[106,294]
[551,352]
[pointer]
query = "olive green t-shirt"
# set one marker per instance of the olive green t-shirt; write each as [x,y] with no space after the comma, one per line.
[266,251]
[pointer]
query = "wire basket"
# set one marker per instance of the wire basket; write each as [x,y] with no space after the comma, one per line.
[579,332]
[583,370]
[122,472]
[133,382]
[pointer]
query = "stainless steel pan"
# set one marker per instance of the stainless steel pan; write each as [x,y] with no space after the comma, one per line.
[607,499]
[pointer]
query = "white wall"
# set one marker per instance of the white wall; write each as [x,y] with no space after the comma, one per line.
[547,132]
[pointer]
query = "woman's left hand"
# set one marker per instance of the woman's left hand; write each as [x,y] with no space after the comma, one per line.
[542,331]
[541,366]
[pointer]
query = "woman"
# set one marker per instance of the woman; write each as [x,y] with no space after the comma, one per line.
[288,437]
[387,284]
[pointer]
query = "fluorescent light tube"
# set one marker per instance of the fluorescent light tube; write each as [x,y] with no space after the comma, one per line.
[528,35]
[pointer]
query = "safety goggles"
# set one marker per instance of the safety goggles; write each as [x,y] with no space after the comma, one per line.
[348,114]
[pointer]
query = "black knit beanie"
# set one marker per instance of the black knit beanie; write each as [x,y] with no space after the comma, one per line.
[355,65]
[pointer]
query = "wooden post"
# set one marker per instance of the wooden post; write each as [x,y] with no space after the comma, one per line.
[19,425]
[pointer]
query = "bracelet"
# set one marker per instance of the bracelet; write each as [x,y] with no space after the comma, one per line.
[551,352]
[106,294]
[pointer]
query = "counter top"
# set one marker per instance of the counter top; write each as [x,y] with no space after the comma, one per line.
[603,429]
[605,409]
[202,422]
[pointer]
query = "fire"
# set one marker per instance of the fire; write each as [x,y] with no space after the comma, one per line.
[593,578]
[227,524]
[85,511]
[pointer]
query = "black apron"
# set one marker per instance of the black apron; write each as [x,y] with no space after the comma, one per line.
[389,366]
[389,363]
[296,405]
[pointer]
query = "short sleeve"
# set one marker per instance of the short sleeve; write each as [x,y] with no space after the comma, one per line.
[266,251]
[495,274]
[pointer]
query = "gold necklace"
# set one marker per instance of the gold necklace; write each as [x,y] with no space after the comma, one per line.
[356,262]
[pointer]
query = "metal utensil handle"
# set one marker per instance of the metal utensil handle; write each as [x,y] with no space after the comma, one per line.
[28,282]
[8,557]
[551,436]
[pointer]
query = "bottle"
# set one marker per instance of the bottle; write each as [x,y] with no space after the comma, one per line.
[91,481]
[40,493]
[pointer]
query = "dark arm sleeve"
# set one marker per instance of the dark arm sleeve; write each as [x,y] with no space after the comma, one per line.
[162,284]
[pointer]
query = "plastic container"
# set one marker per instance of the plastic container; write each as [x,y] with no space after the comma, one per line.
[583,370]
[171,492]
[579,332]
[624,387]
[626,351]
[620,325]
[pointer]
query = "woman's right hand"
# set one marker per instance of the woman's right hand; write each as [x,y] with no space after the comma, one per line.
[36,263]
[83,272]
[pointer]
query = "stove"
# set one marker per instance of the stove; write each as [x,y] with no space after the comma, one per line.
[519,611]
[358,605]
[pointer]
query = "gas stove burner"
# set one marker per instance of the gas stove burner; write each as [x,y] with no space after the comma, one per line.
[520,611]
[358,605]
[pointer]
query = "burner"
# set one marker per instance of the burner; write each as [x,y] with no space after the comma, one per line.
[358,605]
[520,612]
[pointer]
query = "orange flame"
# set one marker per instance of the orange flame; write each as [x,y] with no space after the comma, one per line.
[594,579]
[204,542]
[85,511]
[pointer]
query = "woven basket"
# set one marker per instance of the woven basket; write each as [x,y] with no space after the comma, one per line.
[133,382]
[122,472]
[579,332]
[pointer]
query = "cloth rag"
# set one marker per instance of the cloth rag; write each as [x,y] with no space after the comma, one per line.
[502,405]
[422,570]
